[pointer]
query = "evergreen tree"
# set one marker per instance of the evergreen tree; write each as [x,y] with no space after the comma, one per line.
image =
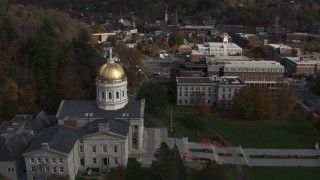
[168,164]
[156,99]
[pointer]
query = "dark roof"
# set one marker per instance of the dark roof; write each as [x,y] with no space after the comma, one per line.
[42,121]
[14,138]
[116,126]
[210,80]
[12,147]
[70,109]
[60,138]
[15,124]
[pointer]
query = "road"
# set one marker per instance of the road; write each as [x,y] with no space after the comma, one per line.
[306,97]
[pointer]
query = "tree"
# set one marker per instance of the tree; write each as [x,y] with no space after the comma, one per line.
[254,103]
[315,85]
[172,92]
[197,98]
[9,91]
[71,86]
[27,95]
[48,28]
[130,57]
[176,38]
[168,164]
[156,99]
[204,109]
[285,101]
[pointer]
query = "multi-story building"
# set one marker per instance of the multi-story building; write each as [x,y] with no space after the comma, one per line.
[53,154]
[16,137]
[219,48]
[253,73]
[213,91]
[274,49]
[92,135]
[302,65]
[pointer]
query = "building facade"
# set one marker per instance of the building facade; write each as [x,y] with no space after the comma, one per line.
[91,135]
[253,73]
[213,91]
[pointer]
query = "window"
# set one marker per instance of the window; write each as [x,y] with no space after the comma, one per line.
[117,95]
[61,169]
[115,149]
[60,160]
[46,160]
[104,148]
[229,95]
[186,101]
[81,161]
[31,160]
[223,95]
[229,89]
[208,101]
[54,169]
[33,168]
[102,95]
[46,169]
[9,169]
[180,101]
[223,90]
[115,160]
[94,149]
[81,149]
[122,93]
[39,160]
[94,160]
[53,160]
[110,95]
[33,178]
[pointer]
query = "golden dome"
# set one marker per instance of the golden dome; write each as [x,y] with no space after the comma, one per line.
[111,72]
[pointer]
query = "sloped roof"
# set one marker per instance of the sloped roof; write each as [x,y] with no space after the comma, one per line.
[12,147]
[59,138]
[78,109]
[42,121]
[116,126]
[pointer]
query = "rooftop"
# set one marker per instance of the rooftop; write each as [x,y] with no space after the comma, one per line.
[70,109]
[210,80]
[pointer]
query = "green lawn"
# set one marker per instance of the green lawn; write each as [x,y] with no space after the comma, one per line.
[296,132]
[148,123]
[282,173]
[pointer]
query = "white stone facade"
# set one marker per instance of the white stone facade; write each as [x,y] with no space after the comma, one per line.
[216,91]
[111,96]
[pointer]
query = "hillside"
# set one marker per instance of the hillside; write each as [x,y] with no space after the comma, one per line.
[45,56]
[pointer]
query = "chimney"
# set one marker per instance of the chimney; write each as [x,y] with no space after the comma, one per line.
[45,145]
[104,127]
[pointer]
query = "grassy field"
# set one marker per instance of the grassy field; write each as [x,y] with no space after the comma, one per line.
[295,132]
[282,173]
